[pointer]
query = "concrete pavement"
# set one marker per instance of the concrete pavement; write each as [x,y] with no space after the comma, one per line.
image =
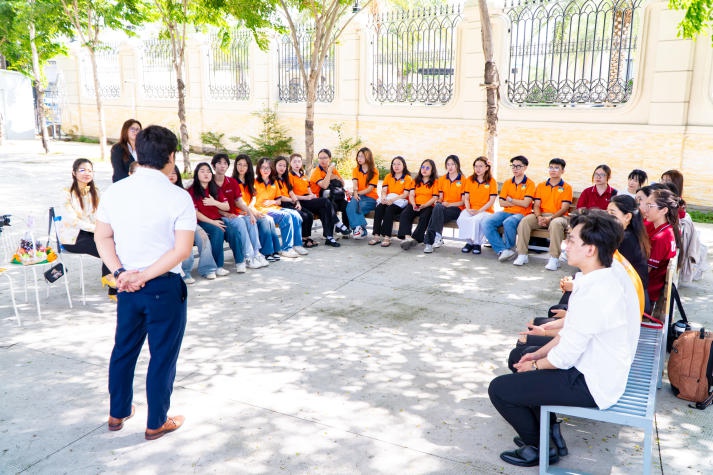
[352,360]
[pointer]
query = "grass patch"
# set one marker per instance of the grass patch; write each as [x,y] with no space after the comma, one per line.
[701,216]
[85,139]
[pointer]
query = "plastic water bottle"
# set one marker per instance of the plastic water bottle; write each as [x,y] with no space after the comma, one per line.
[59,228]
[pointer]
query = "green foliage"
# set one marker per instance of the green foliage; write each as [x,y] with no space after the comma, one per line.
[698,17]
[215,140]
[85,139]
[701,216]
[345,152]
[270,142]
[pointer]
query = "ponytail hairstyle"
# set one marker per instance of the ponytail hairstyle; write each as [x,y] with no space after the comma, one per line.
[486,176]
[74,189]
[668,200]
[627,205]
[198,190]
[249,173]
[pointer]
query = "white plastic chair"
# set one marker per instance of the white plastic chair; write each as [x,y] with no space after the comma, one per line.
[6,238]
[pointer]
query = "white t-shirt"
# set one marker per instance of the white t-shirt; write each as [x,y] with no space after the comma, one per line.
[144,211]
[601,332]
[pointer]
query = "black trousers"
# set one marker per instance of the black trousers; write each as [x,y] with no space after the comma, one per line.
[323,208]
[85,245]
[406,221]
[307,218]
[441,215]
[384,217]
[518,397]
[341,206]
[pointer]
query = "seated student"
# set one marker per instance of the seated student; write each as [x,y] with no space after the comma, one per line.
[320,181]
[664,233]
[587,363]
[81,200]
[600,194]
[637,178]
[267,200]
[420,204]
[479,195]
[516,198]
[209,202]
[550,210]
[239,218]
[290,202]
[244,174]
[322,207]
[394,197]
[206,264]
[449,204]
[365,180]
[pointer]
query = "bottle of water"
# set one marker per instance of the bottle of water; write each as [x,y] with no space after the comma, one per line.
[59,227]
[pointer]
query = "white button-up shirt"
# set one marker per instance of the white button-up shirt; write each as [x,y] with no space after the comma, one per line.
[144,211]
[601,332]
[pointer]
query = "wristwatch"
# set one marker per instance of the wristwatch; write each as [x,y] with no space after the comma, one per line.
[118,272]
[534,365]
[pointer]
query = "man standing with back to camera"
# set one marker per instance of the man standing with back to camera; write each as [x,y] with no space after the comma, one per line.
[144,231]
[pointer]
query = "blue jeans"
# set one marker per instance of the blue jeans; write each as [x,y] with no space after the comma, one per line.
[253,235]
[236,229]
[269,240]
[356,216]
[509,223]
[216,236]
[290,227]
[206,263]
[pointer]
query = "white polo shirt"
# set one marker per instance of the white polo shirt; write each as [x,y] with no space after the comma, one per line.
[144,211]
[601,332]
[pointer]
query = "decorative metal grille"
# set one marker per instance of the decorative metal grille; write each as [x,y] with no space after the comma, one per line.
[576,52]
[159,77]
[291,87]
[228,70]
[414,55]
[108,70]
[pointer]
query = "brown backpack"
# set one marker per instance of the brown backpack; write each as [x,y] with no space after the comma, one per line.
[690,367]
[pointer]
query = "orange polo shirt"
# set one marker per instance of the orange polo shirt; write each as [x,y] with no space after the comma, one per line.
[245,194]
[265,192]
[284,191]
[360,177]
[300,184]
[525,189]
[479,193]
[452,190]
[318,174]
[552,197]
[424,192]
[391,185]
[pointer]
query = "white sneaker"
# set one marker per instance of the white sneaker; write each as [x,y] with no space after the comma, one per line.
[252,263]
[521,260]
[210,276]
[289,253]
[301,250]
[359,233]
[261,260]
[438,243]
[428,249]
[240,268]
[189,280]
[221,272]
[553,263]
[505,255]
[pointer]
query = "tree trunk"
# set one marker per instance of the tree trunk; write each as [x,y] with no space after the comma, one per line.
[100,107]
[39,87]
[178,48]
[492,86]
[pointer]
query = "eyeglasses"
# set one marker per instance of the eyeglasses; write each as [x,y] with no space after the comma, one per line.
[517,167]
[134,129]
[600,175]
[570,240]
[555,168]
[652,206]
[425,167]
[85,170]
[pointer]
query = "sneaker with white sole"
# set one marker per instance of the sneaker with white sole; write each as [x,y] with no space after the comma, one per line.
[553,263]
[252,263]
[408,243]
[505,255]
[521,260]
[240,268]
[438,242]
[359,233]
[428,249]
[262,260]
[301,250]
[210,276]
[189,280]
[289,253]
[221,272]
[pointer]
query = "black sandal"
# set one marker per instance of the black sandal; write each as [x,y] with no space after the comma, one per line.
[309,243]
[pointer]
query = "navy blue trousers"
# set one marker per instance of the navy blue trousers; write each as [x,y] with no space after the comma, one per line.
[159,311]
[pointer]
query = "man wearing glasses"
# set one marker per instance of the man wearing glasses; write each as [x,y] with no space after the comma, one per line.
[551,207]
[515,198]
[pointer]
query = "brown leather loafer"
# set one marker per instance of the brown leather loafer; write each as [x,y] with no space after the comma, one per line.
[171,424]
[117,424]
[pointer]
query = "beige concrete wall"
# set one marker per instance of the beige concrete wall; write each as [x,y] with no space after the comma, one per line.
[668,123]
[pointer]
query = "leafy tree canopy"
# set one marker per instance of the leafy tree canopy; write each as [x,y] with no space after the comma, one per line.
[698,17]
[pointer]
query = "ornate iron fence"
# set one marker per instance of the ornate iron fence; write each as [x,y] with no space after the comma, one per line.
[228,67]
[159,77]
[575,52]
[414,55]
[108,70]
[290,85]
